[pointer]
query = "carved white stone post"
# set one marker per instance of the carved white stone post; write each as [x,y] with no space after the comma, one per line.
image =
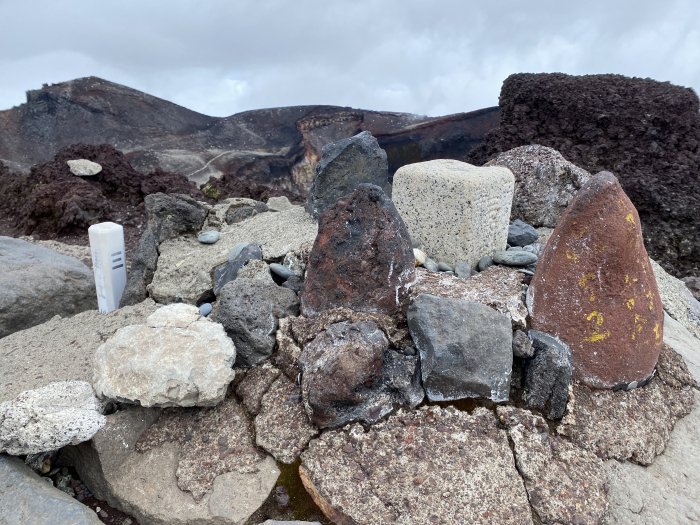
[108,263]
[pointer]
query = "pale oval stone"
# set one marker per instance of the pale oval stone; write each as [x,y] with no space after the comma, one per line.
[419,256]
[209,237]
[514,258]
[84,167]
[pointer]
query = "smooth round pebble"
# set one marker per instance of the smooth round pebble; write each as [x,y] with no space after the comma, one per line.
[444,267]
[431,265]
[484,262]
[463,270]
[209,237]
[515,249]
[419,256]
[281,271]
[205,309]
[514,258]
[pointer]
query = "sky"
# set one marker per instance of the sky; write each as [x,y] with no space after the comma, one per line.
[438,57]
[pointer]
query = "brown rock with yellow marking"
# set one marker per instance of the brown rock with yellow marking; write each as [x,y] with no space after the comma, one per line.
[595,290]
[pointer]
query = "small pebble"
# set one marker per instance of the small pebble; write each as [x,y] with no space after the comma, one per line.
[463,270]
[209,237]
[419,256]
[431,265]
[484,262]
[409,350]
[205,309]
[514,258]
[222,441]
[281,271]
[444,267]
[632,385]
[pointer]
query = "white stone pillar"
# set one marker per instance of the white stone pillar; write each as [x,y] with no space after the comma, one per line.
[108,263]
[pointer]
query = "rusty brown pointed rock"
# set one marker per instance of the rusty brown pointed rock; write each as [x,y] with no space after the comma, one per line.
[595,290]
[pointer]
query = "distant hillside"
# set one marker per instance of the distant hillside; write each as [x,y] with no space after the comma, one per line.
[278,145]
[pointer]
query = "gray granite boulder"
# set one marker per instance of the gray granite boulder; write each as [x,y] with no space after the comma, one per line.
[25,498]
[48,418]
[465,348]
[548,374]
[37,283]
[167,216]
[349,374]
[249,310]
[344,165]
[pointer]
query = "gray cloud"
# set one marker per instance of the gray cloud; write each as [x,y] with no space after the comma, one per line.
[430,57]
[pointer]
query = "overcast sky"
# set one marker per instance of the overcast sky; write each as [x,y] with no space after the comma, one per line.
[220,57]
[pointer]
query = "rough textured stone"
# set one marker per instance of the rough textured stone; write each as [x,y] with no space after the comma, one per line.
[499,287]
[362,257]
[177,359]
[435,465]
[197,480]
[60,349]
[279,203]
[522,346]
[240,212]
[288,350]
[249,310]
[634,424]
[596,269]
[548,374]
[255,269]
[50,417]
[459,211]
[25,498]
[677,300]
[349,373]
[256,382]
[37,283]
[693,285]
[343,167]
[282,427]
[564,483]
[545,183]
[84,167]
[465,348]
[185,265]
[167,217]
[521,233]
[682,341]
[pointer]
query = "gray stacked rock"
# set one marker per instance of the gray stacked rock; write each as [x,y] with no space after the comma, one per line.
[237,258]
[344,165]
[548,374]
[465,348]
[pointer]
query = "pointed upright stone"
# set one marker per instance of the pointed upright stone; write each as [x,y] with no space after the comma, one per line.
[362,258]
[595,290]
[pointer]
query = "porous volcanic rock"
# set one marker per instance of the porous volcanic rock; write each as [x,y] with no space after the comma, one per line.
[596,269]
[677,300]
[459,211]
[349,373]
[434,465]
[37,283]
[282,427]
[646,132]
[178,358]
[256,382]
[634,424]
[564,483]
[545,183]
[48,418]
[682,341]
[362,257]
[343,167]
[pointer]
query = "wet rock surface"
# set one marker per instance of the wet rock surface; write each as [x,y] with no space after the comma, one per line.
[564,483]
[433,465]
[362,257]
[634,424]
[596,269]
[466,348]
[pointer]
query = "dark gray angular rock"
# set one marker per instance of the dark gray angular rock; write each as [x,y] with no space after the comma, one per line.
[548,374]
[343,167]
[465,348]
[249,310]
[168,215]
[349,374]
[240,254]
[27,498]
[293,283]
[514,258]
[521,234]
[37,283]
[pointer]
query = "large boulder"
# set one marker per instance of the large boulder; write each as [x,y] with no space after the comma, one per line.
[343,167]
[26,498]
[37,283]
[458,211]
[178,358]
[249,310]
[61,349]
[417,467]
[465,348]
[362,257]
[168,216]
[596,269]
[48,418]
[647,132]
[545,183]
[349,373]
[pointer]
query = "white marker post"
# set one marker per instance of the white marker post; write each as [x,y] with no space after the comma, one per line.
[108,263]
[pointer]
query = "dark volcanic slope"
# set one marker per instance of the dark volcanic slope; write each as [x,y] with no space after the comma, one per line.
[279,145]
[646,132]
